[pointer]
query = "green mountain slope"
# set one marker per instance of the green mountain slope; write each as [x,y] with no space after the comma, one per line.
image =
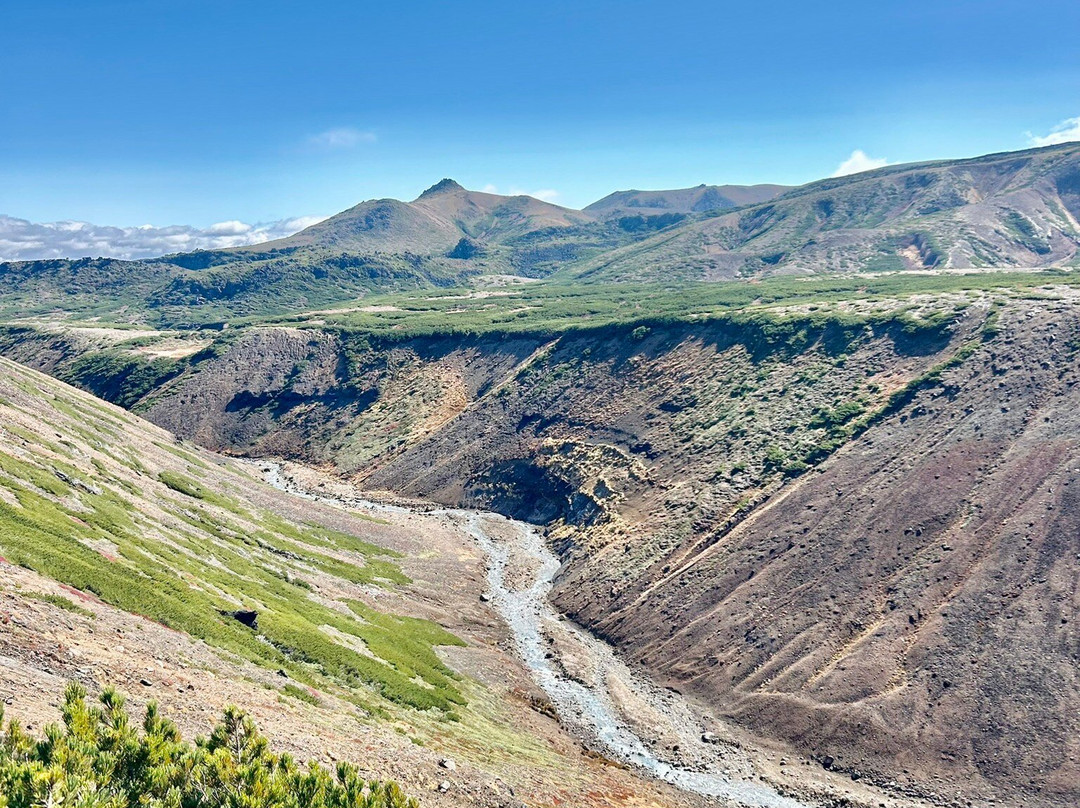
[113,508]
[491,218]
[999,211]
[383,225]
[1014,209]
[447,236]
[432,223]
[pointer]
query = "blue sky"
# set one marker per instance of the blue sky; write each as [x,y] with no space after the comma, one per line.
[123,112]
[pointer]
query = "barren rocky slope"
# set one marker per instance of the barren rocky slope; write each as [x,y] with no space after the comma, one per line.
[913,603]
[908,607]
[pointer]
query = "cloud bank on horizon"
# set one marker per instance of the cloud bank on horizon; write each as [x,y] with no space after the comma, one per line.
[22,240]
[858,162]
[1067,131]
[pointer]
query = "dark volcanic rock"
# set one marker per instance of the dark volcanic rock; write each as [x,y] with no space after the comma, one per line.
[248,618]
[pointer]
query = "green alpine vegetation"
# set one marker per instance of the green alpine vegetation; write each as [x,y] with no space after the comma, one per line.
[190,554]
[99,758]
[128,373]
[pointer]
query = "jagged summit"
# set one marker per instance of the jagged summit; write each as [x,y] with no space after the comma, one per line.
[443,186]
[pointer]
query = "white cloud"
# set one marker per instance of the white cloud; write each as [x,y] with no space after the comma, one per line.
[229,228]
[544,194]
[858,162]
[22,240]
[1065,132]
[343,137]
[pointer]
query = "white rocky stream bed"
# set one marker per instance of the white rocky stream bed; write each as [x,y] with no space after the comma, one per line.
[596,696]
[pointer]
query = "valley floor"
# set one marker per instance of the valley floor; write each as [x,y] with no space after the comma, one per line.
[533,760]
[614,710]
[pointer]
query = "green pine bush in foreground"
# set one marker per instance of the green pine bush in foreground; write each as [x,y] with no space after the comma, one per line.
[97,759]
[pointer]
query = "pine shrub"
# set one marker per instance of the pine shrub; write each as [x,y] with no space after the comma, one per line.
[99,759]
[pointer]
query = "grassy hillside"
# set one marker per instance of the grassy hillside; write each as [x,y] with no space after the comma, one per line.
[1016,209]
[432,223]
[115,510]
[271,366]
[492,218]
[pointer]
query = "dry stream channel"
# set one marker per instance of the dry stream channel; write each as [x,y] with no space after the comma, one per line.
[597,697]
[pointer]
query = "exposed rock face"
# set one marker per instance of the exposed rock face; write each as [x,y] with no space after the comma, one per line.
[914,602]
[242,396]
[309,395]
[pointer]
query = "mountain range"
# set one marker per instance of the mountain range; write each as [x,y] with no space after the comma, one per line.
[1006,210]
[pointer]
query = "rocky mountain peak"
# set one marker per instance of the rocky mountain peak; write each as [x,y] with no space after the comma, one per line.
[445,185]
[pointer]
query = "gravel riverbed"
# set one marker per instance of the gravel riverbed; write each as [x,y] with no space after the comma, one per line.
[611,708]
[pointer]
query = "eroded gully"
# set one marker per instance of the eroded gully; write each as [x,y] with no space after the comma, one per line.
[595,695]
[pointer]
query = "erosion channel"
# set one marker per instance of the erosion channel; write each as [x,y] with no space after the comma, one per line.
[595,695]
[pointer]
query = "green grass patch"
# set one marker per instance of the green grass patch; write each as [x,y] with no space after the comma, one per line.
[59,601]
[301,694]
[188,487]
[551,308]
[40,478]
[208,557]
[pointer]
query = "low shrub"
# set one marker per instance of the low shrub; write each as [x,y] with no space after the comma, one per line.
[98,759]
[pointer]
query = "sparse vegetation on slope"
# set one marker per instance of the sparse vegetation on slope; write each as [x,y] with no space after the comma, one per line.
[1000,211]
